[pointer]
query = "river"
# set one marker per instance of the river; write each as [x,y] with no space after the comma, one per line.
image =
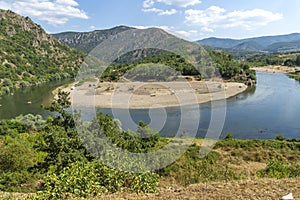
[262,112]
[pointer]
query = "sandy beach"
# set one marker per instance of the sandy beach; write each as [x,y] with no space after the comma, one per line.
[137,95]
[276,69]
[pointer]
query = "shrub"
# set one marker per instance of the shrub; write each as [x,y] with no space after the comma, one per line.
[89,179]
[280,169]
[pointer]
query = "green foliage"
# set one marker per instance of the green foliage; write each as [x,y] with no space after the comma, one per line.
[30,123]
[143,140]
[280,169]
[29,56]
[151,72]
[231,69]
[93,178]
[261,150]
[166,60]
[280,137]
[168,64]
[295,75]
[285,59]
[62,148]
[190,169]
[229,136]
[21,124]
[64,118]
[17,158]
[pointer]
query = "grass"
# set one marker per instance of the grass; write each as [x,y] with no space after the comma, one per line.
[230,160]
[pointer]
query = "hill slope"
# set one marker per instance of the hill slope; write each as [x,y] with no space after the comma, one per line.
[265,43]
[153,45]
[29,56]
[87,41]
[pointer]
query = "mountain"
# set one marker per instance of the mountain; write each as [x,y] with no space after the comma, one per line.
[87,41]
[248,46]
[29,56]
[284,46]
[279,43]
[219,42]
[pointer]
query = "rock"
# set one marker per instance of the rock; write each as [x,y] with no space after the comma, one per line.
[288,197]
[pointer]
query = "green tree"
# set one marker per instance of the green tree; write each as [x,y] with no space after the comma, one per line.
[16,156]
[61,105]
[297,62]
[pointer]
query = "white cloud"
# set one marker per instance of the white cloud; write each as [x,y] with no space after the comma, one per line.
[208,30]
[148,3]
[160,11]
[185,34]
[181,3]
[56,12]
[67,2]
[216,17]
[188,35]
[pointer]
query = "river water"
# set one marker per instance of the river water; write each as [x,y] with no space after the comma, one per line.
[262,112]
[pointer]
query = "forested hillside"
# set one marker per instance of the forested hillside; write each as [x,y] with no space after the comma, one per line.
[30,56]
[285,59]
[219,64]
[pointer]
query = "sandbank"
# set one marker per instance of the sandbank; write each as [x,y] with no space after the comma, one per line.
[139,95]
[276,69]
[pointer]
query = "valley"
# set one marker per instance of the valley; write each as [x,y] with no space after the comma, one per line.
[143,114]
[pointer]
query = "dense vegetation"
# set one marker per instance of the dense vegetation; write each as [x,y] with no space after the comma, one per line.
[290,59]
[231,69]
[29,56]
[285,59]
[218,63]
[50,158]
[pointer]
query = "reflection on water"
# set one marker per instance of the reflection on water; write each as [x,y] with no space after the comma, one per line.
[24,101]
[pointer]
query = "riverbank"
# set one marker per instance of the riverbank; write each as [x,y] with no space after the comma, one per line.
[139,95]
[276,69]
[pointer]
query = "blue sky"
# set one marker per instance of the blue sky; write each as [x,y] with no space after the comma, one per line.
[189,19]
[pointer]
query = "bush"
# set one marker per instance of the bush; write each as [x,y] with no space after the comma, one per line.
[280,137]
[280,169]
[16,159]
[93,178]
[229,136]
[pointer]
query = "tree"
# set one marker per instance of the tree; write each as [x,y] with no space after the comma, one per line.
[60,138]
[297,62]
[64,118]
[16,156]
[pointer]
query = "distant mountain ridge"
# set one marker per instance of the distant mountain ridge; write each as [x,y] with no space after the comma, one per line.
[87,41]
[279,43]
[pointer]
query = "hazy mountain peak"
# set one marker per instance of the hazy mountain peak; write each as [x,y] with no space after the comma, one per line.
[264,43]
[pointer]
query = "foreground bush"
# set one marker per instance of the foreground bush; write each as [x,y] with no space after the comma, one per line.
[93,178]
[280,169]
